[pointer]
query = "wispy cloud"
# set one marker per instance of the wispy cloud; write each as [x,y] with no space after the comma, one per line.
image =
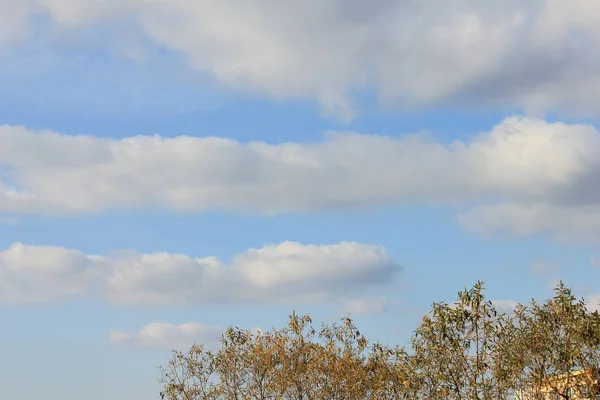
[543,267]
[365,306]
[505,306]
[168,336]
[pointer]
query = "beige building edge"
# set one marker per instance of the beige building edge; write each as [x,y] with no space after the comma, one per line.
[576,385]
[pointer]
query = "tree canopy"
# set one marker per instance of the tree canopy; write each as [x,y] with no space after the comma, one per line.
[464,350]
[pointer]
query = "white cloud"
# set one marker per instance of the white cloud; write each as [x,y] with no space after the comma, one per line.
[505,306]
[593,302]
[519,159]
[374,305]
[565,222]
[523,177]
[284,272]
[13,20]
[168,336]
[38,274]
[533,54]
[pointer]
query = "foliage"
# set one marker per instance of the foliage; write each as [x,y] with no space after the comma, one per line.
[559,338]
[456,349]
[464,350]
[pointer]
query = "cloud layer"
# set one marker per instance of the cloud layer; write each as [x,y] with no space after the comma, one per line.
[284,272]
[525,176]
[534,55]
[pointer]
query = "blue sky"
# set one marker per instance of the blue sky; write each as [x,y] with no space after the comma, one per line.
[217,164]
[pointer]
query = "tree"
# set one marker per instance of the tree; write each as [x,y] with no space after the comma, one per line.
[394,371]
[455,349]
[292,363]
[556,346]
[190,376]
[464,350]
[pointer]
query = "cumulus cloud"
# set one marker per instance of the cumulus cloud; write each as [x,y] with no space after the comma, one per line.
[283,272]
[163,335]
[533,54]
[520,158]
[38,274]
[525,176]
[369,306]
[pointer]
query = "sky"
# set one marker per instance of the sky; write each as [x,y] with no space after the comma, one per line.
[172,168]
